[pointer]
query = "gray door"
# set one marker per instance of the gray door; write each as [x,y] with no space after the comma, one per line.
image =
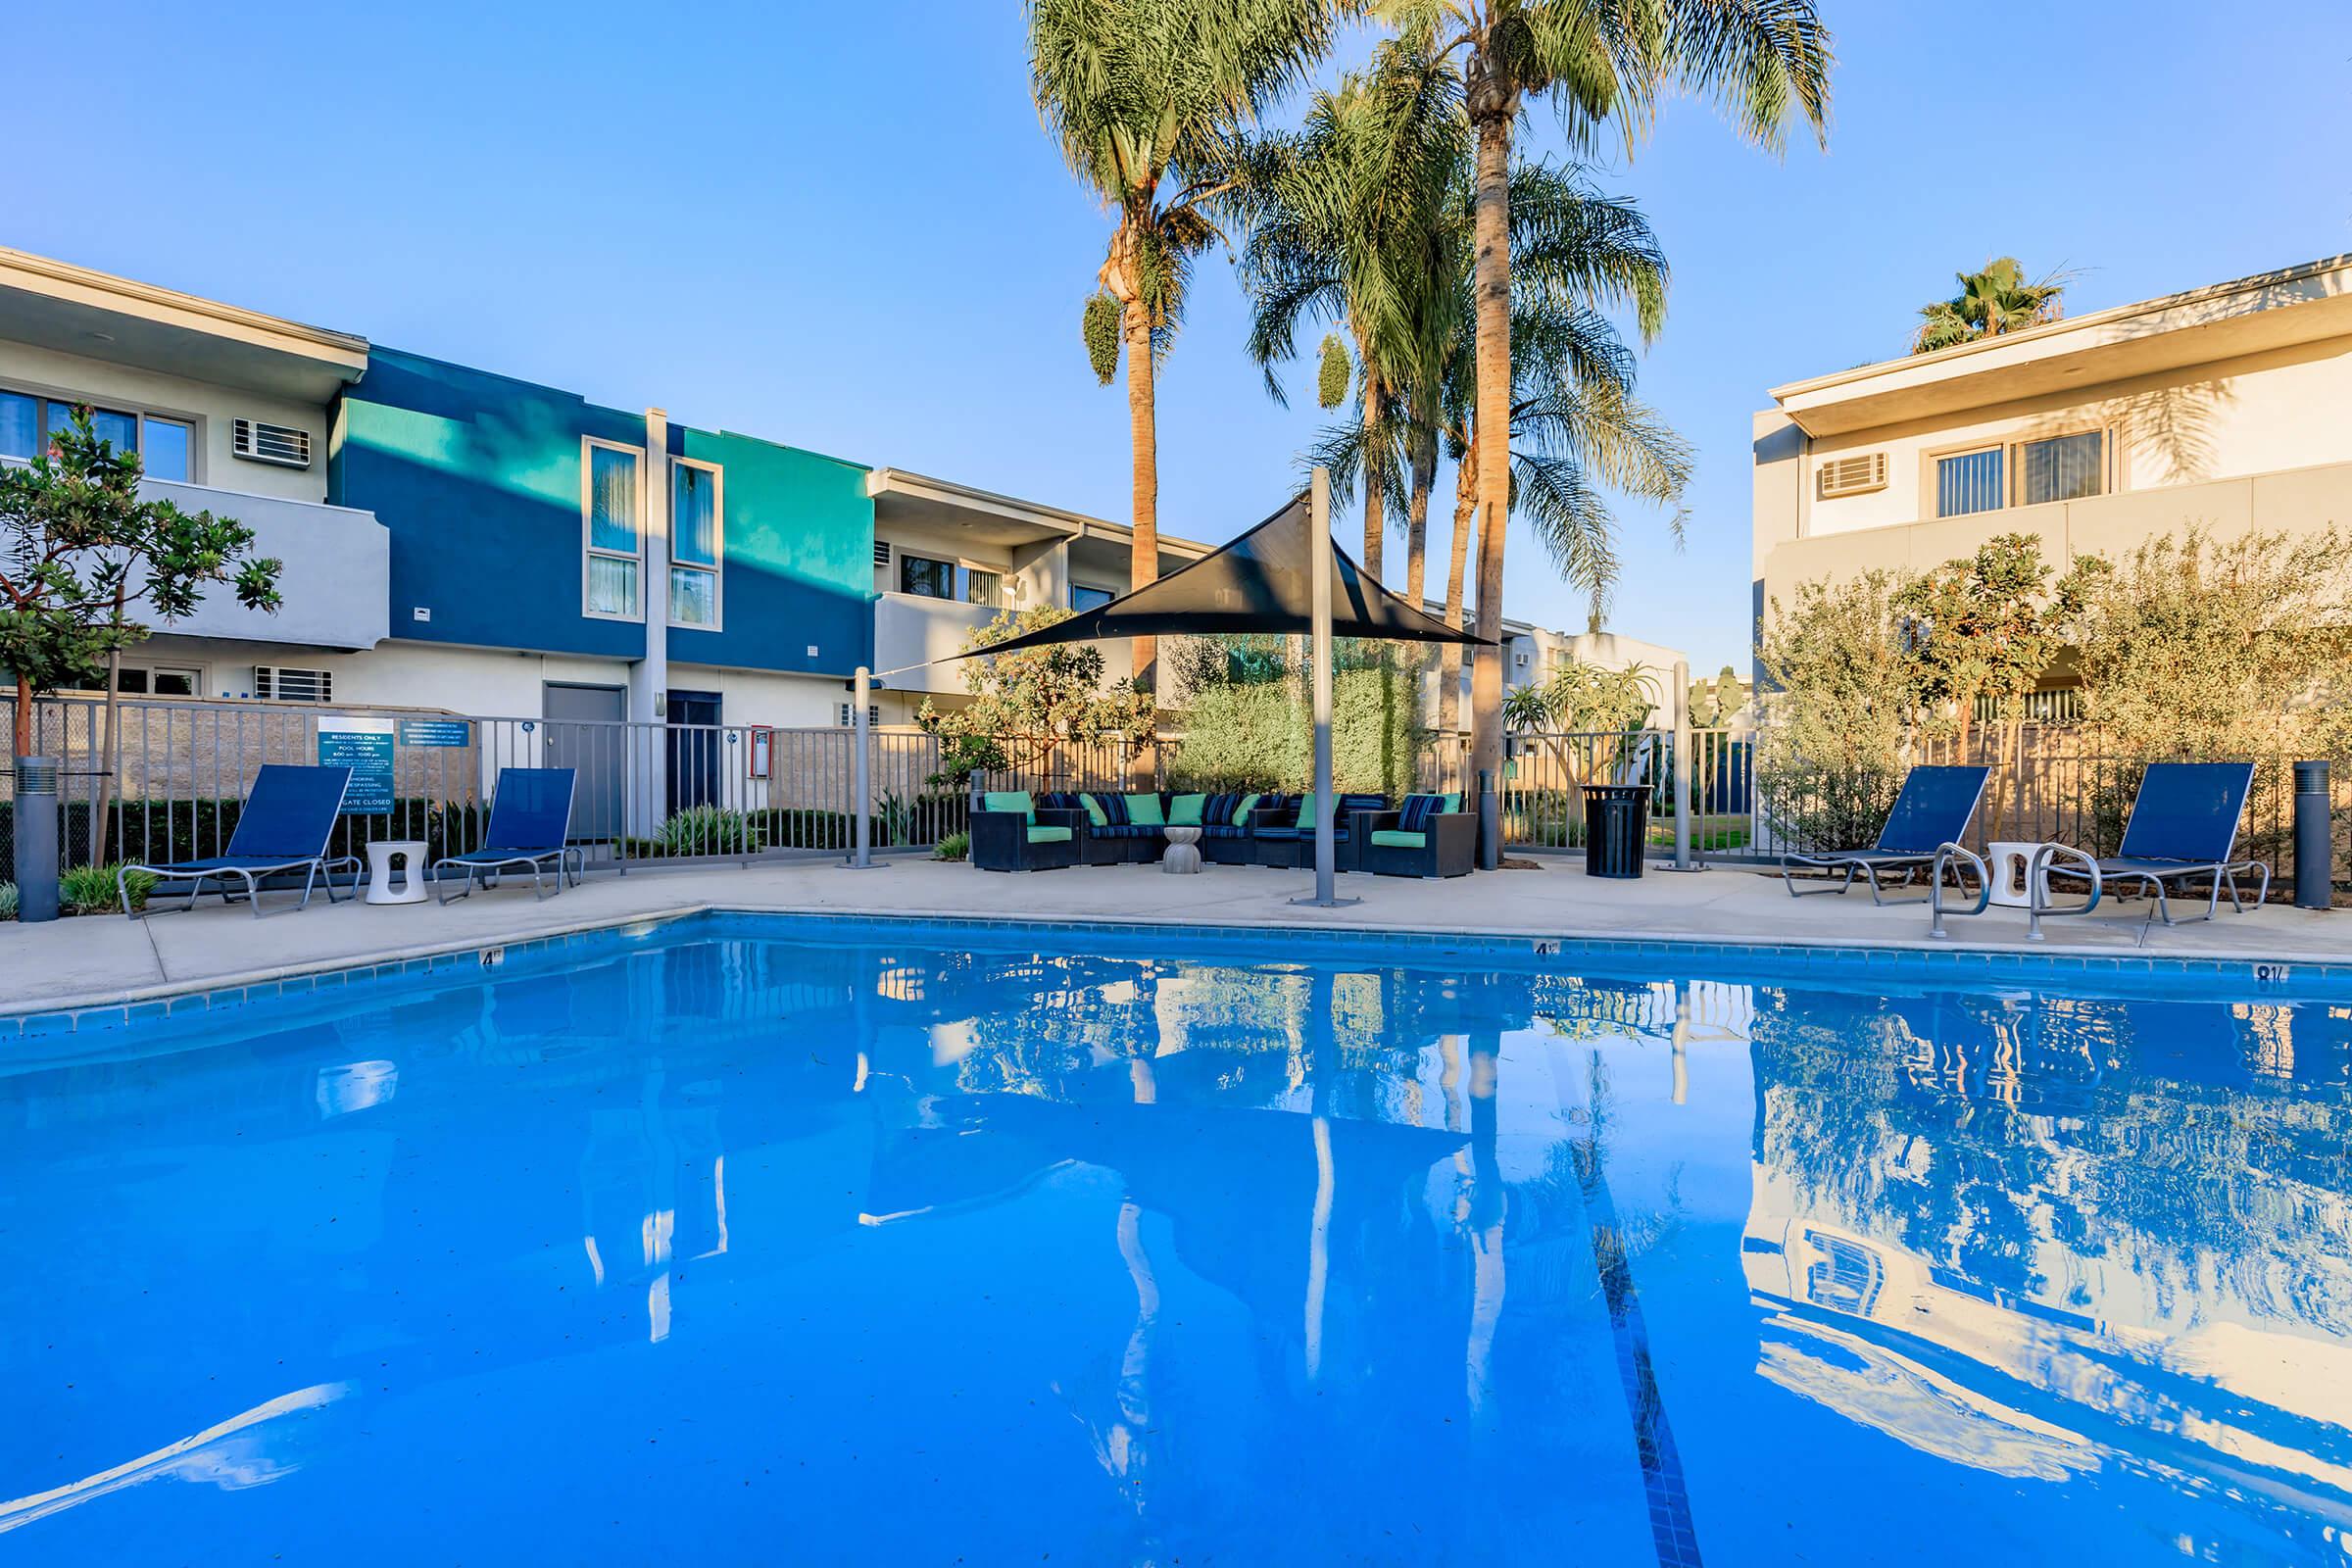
[584,733]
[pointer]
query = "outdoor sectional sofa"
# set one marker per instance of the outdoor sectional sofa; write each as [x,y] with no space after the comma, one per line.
[1427,836]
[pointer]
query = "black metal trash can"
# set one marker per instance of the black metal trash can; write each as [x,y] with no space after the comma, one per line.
[1616,827]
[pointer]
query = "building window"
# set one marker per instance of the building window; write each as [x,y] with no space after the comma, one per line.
[167,448]
[849,715]
[984,588]
[1083,599]
[926,578]
[697,543]
[2066,468]
[1969,481]
[616,539]
[157,680]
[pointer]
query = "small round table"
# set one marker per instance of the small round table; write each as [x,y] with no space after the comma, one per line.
[1183,851]
[408,856]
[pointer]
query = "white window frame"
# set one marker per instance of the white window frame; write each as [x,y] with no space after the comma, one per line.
[718,568]
[141,413]
[151,669]
[589,552]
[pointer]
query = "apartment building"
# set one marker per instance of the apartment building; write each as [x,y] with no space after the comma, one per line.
[2225,406]
[455,538]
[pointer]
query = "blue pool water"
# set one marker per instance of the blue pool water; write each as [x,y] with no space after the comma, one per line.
[733,1242]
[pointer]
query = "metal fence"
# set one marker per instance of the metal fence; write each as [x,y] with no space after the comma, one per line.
[2050,783]
[656,792]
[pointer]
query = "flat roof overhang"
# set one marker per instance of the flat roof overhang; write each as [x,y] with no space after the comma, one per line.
[2285,309]
[74,309]
[917,500]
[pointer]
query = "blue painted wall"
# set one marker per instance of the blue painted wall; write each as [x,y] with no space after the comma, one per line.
[477,476]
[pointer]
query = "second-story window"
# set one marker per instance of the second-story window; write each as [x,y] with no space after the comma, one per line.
[696,543]
[167,446]
[2065,468]
[983,588]
[1083,599]
[615,538]
[1969,481]
[926,578]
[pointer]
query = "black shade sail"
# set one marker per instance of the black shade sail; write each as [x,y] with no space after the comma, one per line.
[1261,583]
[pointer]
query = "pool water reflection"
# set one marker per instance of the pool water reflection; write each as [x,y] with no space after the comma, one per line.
[718,1246]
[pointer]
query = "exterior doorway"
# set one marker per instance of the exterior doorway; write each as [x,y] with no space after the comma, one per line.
[585,734]
[695,747]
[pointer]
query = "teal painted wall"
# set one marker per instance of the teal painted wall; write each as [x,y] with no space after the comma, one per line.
[477,477]
[799,550]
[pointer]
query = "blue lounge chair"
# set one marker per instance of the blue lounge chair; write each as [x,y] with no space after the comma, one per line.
[283,828]
[1934,809]
[2184,824]
[530,824]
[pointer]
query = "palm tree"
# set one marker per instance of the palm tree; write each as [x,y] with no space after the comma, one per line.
[1338,216]
[1600,61]
[1993,300]
[1576,428]
[1148,98]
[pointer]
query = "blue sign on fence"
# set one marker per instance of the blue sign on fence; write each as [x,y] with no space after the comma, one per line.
[365,746]
[437,732]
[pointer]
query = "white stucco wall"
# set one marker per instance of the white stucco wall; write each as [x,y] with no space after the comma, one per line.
[50,374]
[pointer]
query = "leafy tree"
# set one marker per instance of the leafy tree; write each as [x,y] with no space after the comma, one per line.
[1578,701]
[1146,98]
[2193,647]
[1602,62]
[1992,300]
[1247,723]
[1840,699]
[81,553]
[1026,703]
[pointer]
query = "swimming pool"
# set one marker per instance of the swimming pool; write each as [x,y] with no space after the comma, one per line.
[759,1240]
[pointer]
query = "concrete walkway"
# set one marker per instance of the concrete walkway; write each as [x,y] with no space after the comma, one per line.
[101,960]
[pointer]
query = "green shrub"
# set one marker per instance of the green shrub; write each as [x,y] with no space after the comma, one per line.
[708,830]
[954,847]
[8,900]
[90,889]
[1248,725]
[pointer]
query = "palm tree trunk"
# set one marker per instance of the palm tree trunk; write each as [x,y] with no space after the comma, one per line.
[1450,661]
[1376,522]
[1143,567]
[1492,294]
[1416,515]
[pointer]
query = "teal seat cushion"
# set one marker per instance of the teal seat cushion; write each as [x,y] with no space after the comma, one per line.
[1240,813]
[1009,800]
[1391,838]
[1143,811]
[1094,811]
[1453,799]
[1049,835]
[1185,811]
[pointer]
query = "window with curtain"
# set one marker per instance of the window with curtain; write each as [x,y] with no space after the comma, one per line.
[19,426]
[694,544]
[984,588]
[615,539]
[2066,468]
[1969,481]
[116,429]
[1083,599]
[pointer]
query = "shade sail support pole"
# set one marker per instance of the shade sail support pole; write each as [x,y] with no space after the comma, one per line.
[1319,575]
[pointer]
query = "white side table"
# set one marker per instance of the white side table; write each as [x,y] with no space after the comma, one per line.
[408,856]
[2008,860]
[1183,857]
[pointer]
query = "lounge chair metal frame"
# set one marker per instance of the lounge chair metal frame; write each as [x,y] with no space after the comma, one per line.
[571,865]
[1870,862]
[2149,872]
[197,873]
[492,859]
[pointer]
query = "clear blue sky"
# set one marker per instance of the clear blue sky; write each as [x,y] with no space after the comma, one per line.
[864,243]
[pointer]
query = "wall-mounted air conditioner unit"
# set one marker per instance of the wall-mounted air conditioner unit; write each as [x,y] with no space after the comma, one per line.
[881,552]
[1856,476]
[281,444]
[279,684]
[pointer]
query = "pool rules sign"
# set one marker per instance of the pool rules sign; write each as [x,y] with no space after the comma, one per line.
[365,746]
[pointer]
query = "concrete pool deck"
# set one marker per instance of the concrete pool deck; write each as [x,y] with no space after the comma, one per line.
[105,960]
